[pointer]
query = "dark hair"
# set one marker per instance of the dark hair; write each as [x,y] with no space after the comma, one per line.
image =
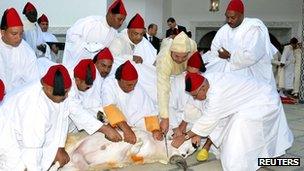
[189,34]
[171,19]
[203,67]
[95,58]
[118,72]
[89,78]
[293,40]
[58,84]
[24,9]
[4,21]
[151,26]
[188,85]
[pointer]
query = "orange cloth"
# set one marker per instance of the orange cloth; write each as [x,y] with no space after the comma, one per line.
[152,123]
[114,115]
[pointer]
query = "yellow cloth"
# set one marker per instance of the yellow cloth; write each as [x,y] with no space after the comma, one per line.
[114,115]
[165,67]
[152,123]
[202,155]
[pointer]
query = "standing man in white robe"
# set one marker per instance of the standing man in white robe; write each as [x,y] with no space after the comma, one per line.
[34,137]
[32,32]
[17,59]
[43,22]
[29,16]
[275,65]
[298,60]
[244,45]
[126,105]
[91,34]
[288,63]
[130,44]
[251,112]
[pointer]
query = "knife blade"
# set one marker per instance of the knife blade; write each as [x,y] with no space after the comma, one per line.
[166,145]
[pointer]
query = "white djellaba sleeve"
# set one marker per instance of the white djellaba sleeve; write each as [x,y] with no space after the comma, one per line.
[253,49]
[80,116]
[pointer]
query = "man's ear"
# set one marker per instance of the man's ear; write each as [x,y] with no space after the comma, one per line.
[77,80]
[2,32]
[48,89]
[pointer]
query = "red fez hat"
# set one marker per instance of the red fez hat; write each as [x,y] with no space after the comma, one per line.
[81,69]
[193,81]
[12,18]
[128,72]
[105,54]
[2,90]
[195,60]
[43,18]
[136,22]
[236,5]
[118,8]
[28,7]
[50,76]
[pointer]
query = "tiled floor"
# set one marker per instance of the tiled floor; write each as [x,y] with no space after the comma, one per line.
[295,117]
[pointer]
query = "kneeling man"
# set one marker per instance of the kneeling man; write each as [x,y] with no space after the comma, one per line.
[243,117]
[127,105]
[34,122]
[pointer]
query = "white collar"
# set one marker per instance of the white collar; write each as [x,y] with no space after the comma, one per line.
[6,45]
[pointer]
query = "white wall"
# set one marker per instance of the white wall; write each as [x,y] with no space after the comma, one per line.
[133,7]
[167,7]
[266,10]
[61,13]
[150,10]
[154,14]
